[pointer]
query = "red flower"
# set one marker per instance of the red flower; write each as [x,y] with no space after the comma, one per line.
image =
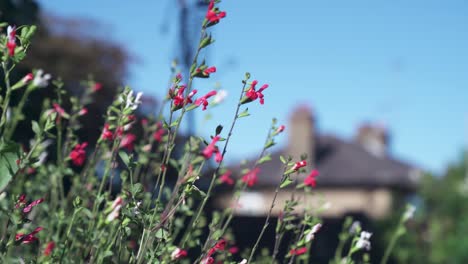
[208,260]
[250,178]
[213,15]
[299,165]
[29,238]
[211,148]
[280,129]
[59,109]
[252,94]
[78,154]
[159,133]
[233,250]
[226,178]
[106,133]
[179,100]
[27,78]
[127,141]
[21,201]
[29,207]
[97,86]
[83,111]
[298,251]
[11,40]
[310,180]
[49,248]
[220,245]
[178,254]
[203,99]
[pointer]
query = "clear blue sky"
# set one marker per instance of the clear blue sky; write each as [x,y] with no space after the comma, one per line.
[401,62]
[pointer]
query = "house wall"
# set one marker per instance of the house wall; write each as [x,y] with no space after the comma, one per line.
[330,203]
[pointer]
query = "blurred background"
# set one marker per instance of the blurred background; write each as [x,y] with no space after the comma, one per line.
[377,91]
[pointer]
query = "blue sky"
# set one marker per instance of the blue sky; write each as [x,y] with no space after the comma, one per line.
[404,63]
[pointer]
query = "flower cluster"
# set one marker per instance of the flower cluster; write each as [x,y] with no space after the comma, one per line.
[310,179]
[251,94]
[213,149]
[78,154]
[213,15]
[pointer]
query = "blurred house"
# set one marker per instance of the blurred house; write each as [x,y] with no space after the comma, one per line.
[357,177]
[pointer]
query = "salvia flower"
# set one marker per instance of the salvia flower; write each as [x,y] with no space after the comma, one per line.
[30,206]
[128,141]
[27,78]
[213,15]
[178,99]
[11,40]
[409,212]
[78,154]
[178,254]
[251,178]
[207,260]
[364,241]
[28,238]
[312,232]
[96,87]
[49,248]
[298,251]
[203,100]
[355,227]
[133,102]
[204,71]
[298,165]
[226,178]
[310,179]
[41,80]
[211,148]
[251,94]
[83,111]
[21,201]
[107,133]
[159,133]
[220,96]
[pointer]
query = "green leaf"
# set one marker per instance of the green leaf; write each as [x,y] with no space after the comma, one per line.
[244,113]
[9,154]
[264,159]
[287,181]
[124,156]
[36,128]
[269,144]
[283,160]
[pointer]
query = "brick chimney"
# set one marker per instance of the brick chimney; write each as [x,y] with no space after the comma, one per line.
[301,133]
[374,138]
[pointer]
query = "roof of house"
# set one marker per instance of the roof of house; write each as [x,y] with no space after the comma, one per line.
[343,164]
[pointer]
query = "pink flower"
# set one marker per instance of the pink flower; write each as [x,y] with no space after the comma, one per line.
[211,148]
[219,246]
[27,78]
[106,133]
[21,201]
[58,109]
[203,99]
[11,40]
[127,141]
[83,111]
[298,251]
[49,248]
[233,250]
[208,260]
[29,207]
[250,178]
[299,165]
[179,100]
[159,133]
[116,202]
[280,129]
[78,154]
[226,178]
[29,238]
[252,94]
[310,180]
[97,86]
[178,254]
[213,15]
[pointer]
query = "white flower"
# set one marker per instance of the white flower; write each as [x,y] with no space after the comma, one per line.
[11,31]
[220,96]
[244,261]
[114,214]
[409,213]
[363,241]
[355,227]
[313,231]
[131,102]
[40,79]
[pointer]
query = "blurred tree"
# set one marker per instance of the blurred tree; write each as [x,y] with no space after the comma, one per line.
[438,233]
[64,48]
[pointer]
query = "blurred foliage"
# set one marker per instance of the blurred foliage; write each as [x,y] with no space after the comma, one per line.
[73,50]
[438,232]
